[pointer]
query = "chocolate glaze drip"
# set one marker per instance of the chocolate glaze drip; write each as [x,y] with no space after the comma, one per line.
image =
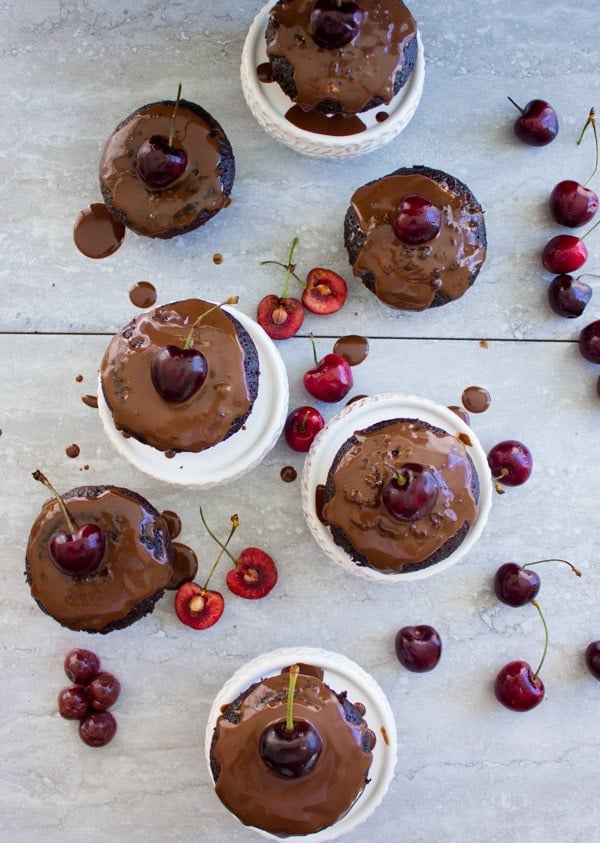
[353,348]
[96,233]
[261,797]
[476,399]
[336,125]
[142,294]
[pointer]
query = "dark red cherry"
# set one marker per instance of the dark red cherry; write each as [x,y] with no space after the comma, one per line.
[418,220]
[589,342]
[79,553]
[517,687]
[537,124]
[177,373]
[290,752]
[411,492]
[159,164]
[564,253]
[335,22]
[81,666]
[73,702]
[592,658]
[418,648]
[103,691]
[568,296]
[572,204]
[515,585]
[98,728]
[510,462]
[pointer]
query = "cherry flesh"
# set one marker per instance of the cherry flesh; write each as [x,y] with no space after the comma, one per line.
[568,296]
[335,22]
[572,204]
[280,316]
[418,648]
[325,291]
[537,124]
[78,554]
[330,380]
[418,220]
[589,342]
[98,728]
[411,493]
[73,702]
[81,666]
[158,163]
[564,253]
[510,462]
[515,585]
[103,691]
[517,687]
[178,373]
[301,427]
[592,658]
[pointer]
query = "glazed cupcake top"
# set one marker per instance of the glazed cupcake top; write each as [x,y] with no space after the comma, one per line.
[137,562]
[353,74]
[373,456]
[207,416]
[200,189]
[409,276]
[265,799]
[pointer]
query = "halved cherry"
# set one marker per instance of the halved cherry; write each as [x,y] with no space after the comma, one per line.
[280,317]
[325,291]
[198,607]
[254,576]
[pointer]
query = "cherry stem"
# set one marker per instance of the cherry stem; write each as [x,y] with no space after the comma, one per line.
[314,348]
[510,99]
[541,614]
[589,231]
[172,129]
[235,523]
[289,717]
[41,478]
[302,425]
[188,340]
[575,570]
[289,269]
[215,539]
[591,120]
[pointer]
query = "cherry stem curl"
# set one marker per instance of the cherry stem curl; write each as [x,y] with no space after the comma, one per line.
[541,614]
[235,523]
[575,570]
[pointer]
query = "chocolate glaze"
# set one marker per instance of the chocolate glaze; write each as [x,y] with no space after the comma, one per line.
[135,570]
[288,473]
[208,415]
[461,413]
[173,522]
[407,276]
[198,194]
[353,348]
[90,401]
[354,505]
[142,294]
[476,399]
[97,233]
[318,123]
[185,565]
[72,451]
[352,77]
[264,799]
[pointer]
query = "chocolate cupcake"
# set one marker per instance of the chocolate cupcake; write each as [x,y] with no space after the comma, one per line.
[131,574]
[142,391]
[341,60]
[165,171]
[416,238]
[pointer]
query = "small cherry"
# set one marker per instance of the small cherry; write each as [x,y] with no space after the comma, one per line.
[159,163]
[281,316]
[335,22]
[537,123]
[566,253]
[81,666]
[331,379]
[517,585]
[73,702]
[518,687]
[418,220]
[78,551]
[573,204]
[103,691]
[290,747]
[411,493]
[592,658]
[98,728]
[301,427]
[589,342]
[418,648]
[510,462]
[569,296]
[196,606]
[325,291]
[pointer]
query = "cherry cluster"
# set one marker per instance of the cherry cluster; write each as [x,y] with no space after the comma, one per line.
[253,576]
[90,696]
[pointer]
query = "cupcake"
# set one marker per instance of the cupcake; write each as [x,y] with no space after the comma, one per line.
[167,169]
[337,771]
[117,566]
[341,58]
[416,238]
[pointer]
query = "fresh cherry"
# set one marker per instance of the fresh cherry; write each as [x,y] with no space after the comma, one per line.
[78,551]
[98,728]
[418,220]
[81,666]
[73,702]
[411,492]
[568,296]
[325,291]
[589,342]
[517,687]
[331,378]
[290,747]
[510,462]
[281,316]
[178,373]
[537,123]
[158,163]
[515,585]
[103,691]
[572,204]
[418,648]
[564,253]
[592,658]
[335,22]
[301,427]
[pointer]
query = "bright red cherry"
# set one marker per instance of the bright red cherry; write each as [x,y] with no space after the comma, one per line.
[568,296]
[589,342]
[564,253]
[517,687]
[178,373]
[418,220]
[510,462]
[537,124]
[335,22]
[572,204]
[411,492]
[158,163]
[418,648]
[331,379]
[301,427]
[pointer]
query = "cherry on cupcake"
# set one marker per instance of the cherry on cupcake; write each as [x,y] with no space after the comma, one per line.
[510,462]
[418,648]
[159,162]
[325,291]
[335,23]
[290,747]
[418,220]
[281,316]
[573,204]
[537,123]
[411,492]
[569,296]
[79,550]
[301,427]
[331,378]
